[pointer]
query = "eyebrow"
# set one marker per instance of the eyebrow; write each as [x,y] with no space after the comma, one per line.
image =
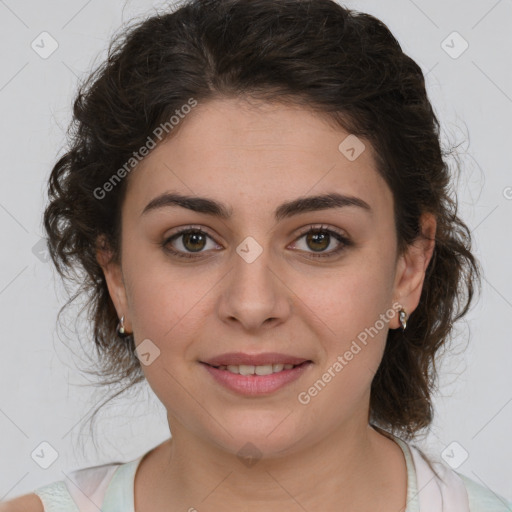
[286,210]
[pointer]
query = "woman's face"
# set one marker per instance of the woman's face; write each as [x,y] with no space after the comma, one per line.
[255,282]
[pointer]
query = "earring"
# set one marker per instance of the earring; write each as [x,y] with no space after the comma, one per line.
[402,315]
[120,328]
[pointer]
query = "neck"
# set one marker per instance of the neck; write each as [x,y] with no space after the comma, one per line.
[356,466]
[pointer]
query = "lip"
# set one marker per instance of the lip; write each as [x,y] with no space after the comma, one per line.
[257,385]
[238,358]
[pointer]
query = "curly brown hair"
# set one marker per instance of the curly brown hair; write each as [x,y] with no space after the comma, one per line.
[341,63]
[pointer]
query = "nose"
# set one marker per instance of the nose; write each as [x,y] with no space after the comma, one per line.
[253,295]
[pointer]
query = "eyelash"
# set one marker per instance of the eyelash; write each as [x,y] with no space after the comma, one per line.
[345,242]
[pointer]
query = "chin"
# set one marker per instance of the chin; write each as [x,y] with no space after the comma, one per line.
[261,436]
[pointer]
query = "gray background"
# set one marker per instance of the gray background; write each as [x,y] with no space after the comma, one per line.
[44,398]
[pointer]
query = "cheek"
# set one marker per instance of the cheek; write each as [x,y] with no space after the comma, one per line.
[357,315]
[357,307]
[162,309]
[167,303]
[154,312]
[150,287]
[352,297]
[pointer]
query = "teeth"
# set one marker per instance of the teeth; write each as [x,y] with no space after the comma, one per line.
[247,369]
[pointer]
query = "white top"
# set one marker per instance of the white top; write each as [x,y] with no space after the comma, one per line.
[431,487]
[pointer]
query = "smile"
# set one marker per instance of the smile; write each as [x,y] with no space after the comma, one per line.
[246,369]
[256,380]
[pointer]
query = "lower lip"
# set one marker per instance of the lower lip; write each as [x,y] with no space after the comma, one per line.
[254,385]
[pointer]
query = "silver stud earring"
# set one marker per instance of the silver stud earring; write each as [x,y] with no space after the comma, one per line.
[402,315]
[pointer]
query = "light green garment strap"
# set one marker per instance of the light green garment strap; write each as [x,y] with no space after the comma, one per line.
[482,499]
[120,494]
[56,498]
[412,504]
[477,498]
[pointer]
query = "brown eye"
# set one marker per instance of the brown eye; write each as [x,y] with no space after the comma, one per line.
[186,242]
[194,241]
[318,239]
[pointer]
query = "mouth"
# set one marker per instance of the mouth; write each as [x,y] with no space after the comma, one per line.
[262,359]
[264,369]
[256,375]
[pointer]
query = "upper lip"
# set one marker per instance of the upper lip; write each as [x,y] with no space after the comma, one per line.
[238,358]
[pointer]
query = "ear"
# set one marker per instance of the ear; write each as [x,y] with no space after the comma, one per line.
[115,282]
[412,266]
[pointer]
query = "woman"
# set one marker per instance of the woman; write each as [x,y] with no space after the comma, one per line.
[257,194]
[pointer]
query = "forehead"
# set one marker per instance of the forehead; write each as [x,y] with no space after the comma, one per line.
[254,155]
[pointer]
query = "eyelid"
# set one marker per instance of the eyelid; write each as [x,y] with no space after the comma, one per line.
[189,227]
[180,232]
[302,231]
[344,240]
[341,237]
[321,227]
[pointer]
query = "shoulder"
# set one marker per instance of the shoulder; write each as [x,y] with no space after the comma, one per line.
[26,503]
[84,493]
[440,484]
[482,499]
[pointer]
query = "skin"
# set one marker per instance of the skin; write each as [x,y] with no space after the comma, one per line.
[253,157]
